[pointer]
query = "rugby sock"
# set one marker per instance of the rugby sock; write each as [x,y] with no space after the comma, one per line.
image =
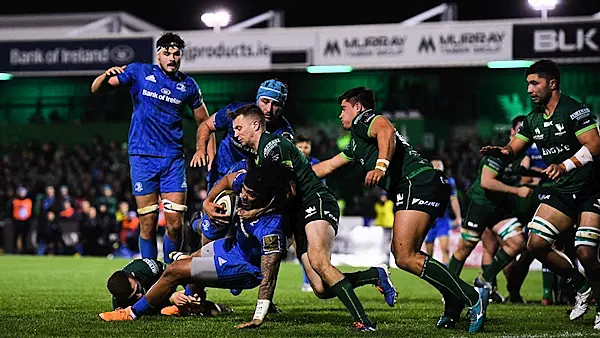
[493,280]
[455,266]
[436,274]
[575,277]
[360,278]
[148,248]
[188,291]
[141,307]
[169,246]
[501,259]
[548,278]
[344,291]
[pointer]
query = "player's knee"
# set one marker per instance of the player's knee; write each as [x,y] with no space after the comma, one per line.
[512,231]
[469,237]
[541,230]
[172,207]
[538,246]
[588,256]
[319,263]
[586,243]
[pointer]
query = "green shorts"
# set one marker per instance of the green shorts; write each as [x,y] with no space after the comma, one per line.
[428,191]
[479,217]
[526,207]
[573,205]
[321,207]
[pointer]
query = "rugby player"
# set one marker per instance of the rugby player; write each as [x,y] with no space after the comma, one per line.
[160,95]
[315,218]
[420,194]
[248,260]
[566,132]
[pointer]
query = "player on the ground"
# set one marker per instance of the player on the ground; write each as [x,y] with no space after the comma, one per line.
[304,144]
[441,227]
[492,206]
[160,95]
[131,283]
[248,260]
[420,193]
[316,218]
[566,132]
[271,97]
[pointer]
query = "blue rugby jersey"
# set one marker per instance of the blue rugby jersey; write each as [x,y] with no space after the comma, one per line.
[536,158]
[158,104]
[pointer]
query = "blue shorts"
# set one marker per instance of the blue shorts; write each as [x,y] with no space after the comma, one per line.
[440,228]
[208,229]
[233,271]
[151,174]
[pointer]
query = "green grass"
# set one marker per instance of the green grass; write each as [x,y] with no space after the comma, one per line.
[62,296]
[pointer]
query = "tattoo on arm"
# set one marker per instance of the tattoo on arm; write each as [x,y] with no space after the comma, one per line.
[269,266]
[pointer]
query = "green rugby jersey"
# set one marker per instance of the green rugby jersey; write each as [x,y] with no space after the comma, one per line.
[279,149]
[556,139]
[147,271]
[507,173]
[406,161]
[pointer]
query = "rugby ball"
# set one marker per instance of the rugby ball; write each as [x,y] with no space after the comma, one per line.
[227,199]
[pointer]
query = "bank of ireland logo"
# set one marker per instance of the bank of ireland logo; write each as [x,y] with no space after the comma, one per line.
[121,54]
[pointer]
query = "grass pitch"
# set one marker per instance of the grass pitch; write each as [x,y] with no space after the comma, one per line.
[62,296]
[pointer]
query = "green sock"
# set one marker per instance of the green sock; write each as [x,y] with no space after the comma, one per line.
[501,259]
[455,266]
[436,274]
[494,281]
[344,291]
[548,278]
[360,278]
[579,281]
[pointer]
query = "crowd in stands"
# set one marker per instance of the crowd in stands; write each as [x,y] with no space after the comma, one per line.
[77,200]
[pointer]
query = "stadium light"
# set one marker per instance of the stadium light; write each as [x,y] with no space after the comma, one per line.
[216,20]
[5,76]
[510,64]
[543,6]
[328,69]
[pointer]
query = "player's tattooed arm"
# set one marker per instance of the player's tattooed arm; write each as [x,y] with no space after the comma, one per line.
[269,266]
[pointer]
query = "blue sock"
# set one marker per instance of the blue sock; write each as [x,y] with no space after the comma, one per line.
[306,281]
[142,307]
[148,248]
[169,246]
[41,249]
[188,291]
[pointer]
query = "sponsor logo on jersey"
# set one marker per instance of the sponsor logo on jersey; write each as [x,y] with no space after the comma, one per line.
[152,265]
[581,113]
[555,150]
[162,97]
